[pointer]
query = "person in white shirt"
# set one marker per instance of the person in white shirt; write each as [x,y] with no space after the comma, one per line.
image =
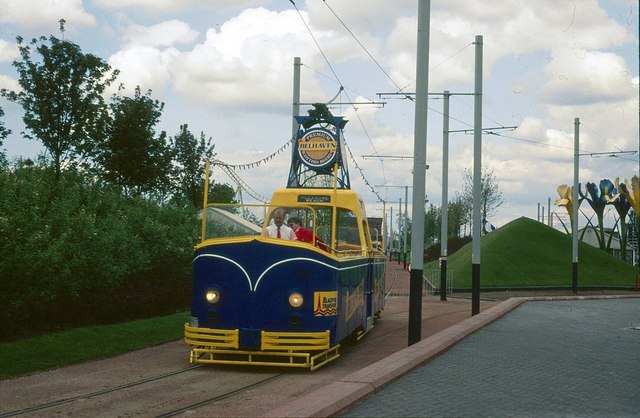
[278,229]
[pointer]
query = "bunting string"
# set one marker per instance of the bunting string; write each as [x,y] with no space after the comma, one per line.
[241,183]
[230,170]
[257,163]
[373,190]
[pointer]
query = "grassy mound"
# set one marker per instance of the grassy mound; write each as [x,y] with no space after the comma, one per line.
[528,253]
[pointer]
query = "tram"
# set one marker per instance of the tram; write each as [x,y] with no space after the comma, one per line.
[289,301]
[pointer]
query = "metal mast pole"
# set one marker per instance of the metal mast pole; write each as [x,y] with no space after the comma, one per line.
[444,227]
[391,233]
[296,96]
[419,172]
[477,173]
[406,223]
[400,227]
[574,215]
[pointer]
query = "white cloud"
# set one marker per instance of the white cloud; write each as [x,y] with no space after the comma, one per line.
[9,83]
[605,126]
[8,51]
[172,6]
[45,13]
[509,29]
[248,61]
[149,57]
[578,76]
[148,67]
[163,34]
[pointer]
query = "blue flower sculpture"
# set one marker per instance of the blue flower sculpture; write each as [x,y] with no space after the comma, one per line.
[598,202]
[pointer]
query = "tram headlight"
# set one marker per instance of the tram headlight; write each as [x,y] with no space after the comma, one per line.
[295,300]
[212,296]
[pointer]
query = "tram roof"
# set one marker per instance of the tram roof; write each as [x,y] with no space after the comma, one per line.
[344,198]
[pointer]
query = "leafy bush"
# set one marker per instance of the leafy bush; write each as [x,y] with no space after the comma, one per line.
[77,252]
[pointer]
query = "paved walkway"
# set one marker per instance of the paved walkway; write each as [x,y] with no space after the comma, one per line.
[542,357]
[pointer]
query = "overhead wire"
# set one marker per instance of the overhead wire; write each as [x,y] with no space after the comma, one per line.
[401,90]
[342,89]
[363,47]
[316,42]
[613,153]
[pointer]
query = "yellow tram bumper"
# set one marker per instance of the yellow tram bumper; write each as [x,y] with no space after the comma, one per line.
[287,349]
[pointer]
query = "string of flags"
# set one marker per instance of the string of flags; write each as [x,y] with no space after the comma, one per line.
[360,170]
[256,163]
[286,145]
[241,183]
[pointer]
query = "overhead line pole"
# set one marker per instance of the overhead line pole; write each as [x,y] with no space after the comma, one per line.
[405,222]
[444,222]
[419,161]
[296,96]
[477,176]
[574,215]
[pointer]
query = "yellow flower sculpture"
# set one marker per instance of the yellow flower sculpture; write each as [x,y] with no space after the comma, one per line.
[566,198]
[633,195]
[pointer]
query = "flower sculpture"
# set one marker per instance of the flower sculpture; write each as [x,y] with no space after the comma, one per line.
[597,201]
[621,203]
[566,200]
[633,197]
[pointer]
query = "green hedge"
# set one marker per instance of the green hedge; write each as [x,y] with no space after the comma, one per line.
[75,251]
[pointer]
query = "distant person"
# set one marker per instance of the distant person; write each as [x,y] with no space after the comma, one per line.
[304,235]
[278,229]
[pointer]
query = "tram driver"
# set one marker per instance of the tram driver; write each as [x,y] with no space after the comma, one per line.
[278,229]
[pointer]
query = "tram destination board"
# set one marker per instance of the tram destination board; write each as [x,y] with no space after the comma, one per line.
[304,198]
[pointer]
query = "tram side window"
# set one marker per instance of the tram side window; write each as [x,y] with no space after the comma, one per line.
[347,228]
[323,220]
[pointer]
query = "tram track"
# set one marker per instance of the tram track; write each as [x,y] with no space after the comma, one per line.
[220,397]
[42,408]
[96,393]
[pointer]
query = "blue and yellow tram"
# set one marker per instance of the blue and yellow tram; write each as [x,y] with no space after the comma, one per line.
[272,301]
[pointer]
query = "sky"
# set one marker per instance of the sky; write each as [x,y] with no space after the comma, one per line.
[225,68]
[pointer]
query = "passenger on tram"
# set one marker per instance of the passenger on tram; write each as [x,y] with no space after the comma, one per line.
[304,234]
[278,229]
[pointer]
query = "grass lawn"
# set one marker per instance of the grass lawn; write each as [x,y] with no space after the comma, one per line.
[89,343]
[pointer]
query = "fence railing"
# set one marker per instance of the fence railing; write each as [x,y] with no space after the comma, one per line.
[432,281]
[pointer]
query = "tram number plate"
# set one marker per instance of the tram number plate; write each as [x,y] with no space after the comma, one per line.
[303,198]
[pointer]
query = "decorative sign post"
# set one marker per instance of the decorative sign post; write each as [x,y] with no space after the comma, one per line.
[318,150]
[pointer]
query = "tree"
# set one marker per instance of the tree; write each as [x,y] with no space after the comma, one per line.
[432,222]
[62,96]
[222,193]
[189,156]
[4,132]
[132,156]
[490,195]
[458,217]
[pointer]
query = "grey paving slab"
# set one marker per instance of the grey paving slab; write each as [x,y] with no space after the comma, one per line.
[567,358]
